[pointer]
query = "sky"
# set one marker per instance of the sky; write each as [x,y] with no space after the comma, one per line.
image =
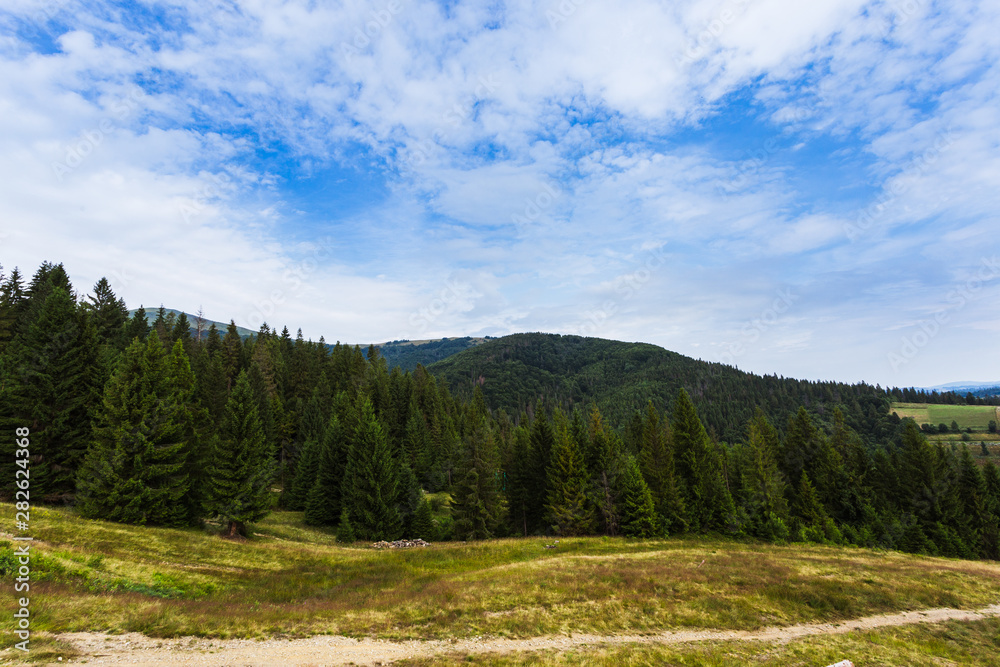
[802,189]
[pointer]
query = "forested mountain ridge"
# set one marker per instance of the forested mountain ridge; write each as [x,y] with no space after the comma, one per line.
[572,371]
[408,354]
[151,424]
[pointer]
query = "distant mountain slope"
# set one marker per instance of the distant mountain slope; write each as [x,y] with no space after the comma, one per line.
[221,326]
[571,371]
[408,353]
[975,388]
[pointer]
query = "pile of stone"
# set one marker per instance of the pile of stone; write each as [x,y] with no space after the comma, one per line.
[401,544]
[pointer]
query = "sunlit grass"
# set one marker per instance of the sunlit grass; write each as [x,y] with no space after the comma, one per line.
[952,643]
[292,580]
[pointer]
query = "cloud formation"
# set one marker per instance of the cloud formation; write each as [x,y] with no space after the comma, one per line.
[643,170]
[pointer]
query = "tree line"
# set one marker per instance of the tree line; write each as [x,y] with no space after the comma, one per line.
[169,423]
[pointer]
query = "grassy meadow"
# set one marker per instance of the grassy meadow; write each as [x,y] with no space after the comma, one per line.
[951,643]
[976,417]
[291,580]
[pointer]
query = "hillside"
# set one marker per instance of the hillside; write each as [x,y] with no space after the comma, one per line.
[571,371]
[221,326]
[408,353]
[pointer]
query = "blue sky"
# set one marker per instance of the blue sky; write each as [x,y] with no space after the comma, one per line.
[807,189]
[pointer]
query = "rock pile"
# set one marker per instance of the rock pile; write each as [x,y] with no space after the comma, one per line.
[401,544]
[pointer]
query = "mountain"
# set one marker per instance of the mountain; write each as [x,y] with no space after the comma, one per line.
[193,319]
[408,353]
[965,387]
[572,371]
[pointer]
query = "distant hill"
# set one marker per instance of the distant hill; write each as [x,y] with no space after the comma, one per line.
[221,326]
[978,389]
[408,353]
[571,371]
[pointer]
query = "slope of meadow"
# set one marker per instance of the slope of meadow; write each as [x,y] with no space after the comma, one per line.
[289,580]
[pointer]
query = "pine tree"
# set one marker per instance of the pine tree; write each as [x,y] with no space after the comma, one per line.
[603,463]
[345,531]
[232,352]
[54,384]
[134,471]
[12,301]
[638,513]
[519,482]
[422,526]
[762,485]
[324,484]
[656,463]
[296,495]
[243,466]
[707,499]
[807,504]
[137,327]
[477,505]
[109,314]
[567,509]
[372,492]
[542,440]
[181,331]
[199,442]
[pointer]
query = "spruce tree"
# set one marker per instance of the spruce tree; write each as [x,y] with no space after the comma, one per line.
[243,466]
[137,327]
[109,314]
[135,471]
[542,440]
[638,513]
[477,505]
[54,378]
[372,491]
[199,441]
[324,484]
[12,300]
[567,508]
[708,501]
[604,464]
[519,483]
[345,532]
[762,484]
[296,495]
[422,527]
[656,463]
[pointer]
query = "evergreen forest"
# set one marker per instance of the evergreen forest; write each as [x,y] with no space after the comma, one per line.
[163,421]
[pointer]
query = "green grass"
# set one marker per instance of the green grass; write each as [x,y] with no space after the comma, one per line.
[976,417]
[951,643]
[292,580]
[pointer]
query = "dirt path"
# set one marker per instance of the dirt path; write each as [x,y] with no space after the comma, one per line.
[136,649]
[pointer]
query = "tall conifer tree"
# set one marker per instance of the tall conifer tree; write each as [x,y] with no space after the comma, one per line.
[243,466]
[135,469]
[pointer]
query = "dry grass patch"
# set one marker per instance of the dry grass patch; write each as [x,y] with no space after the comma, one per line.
[292,580]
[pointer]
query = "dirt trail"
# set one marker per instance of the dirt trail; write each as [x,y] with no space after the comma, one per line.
[136,649]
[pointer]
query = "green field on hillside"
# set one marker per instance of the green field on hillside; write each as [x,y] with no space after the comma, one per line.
[291,580]
[976,417]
